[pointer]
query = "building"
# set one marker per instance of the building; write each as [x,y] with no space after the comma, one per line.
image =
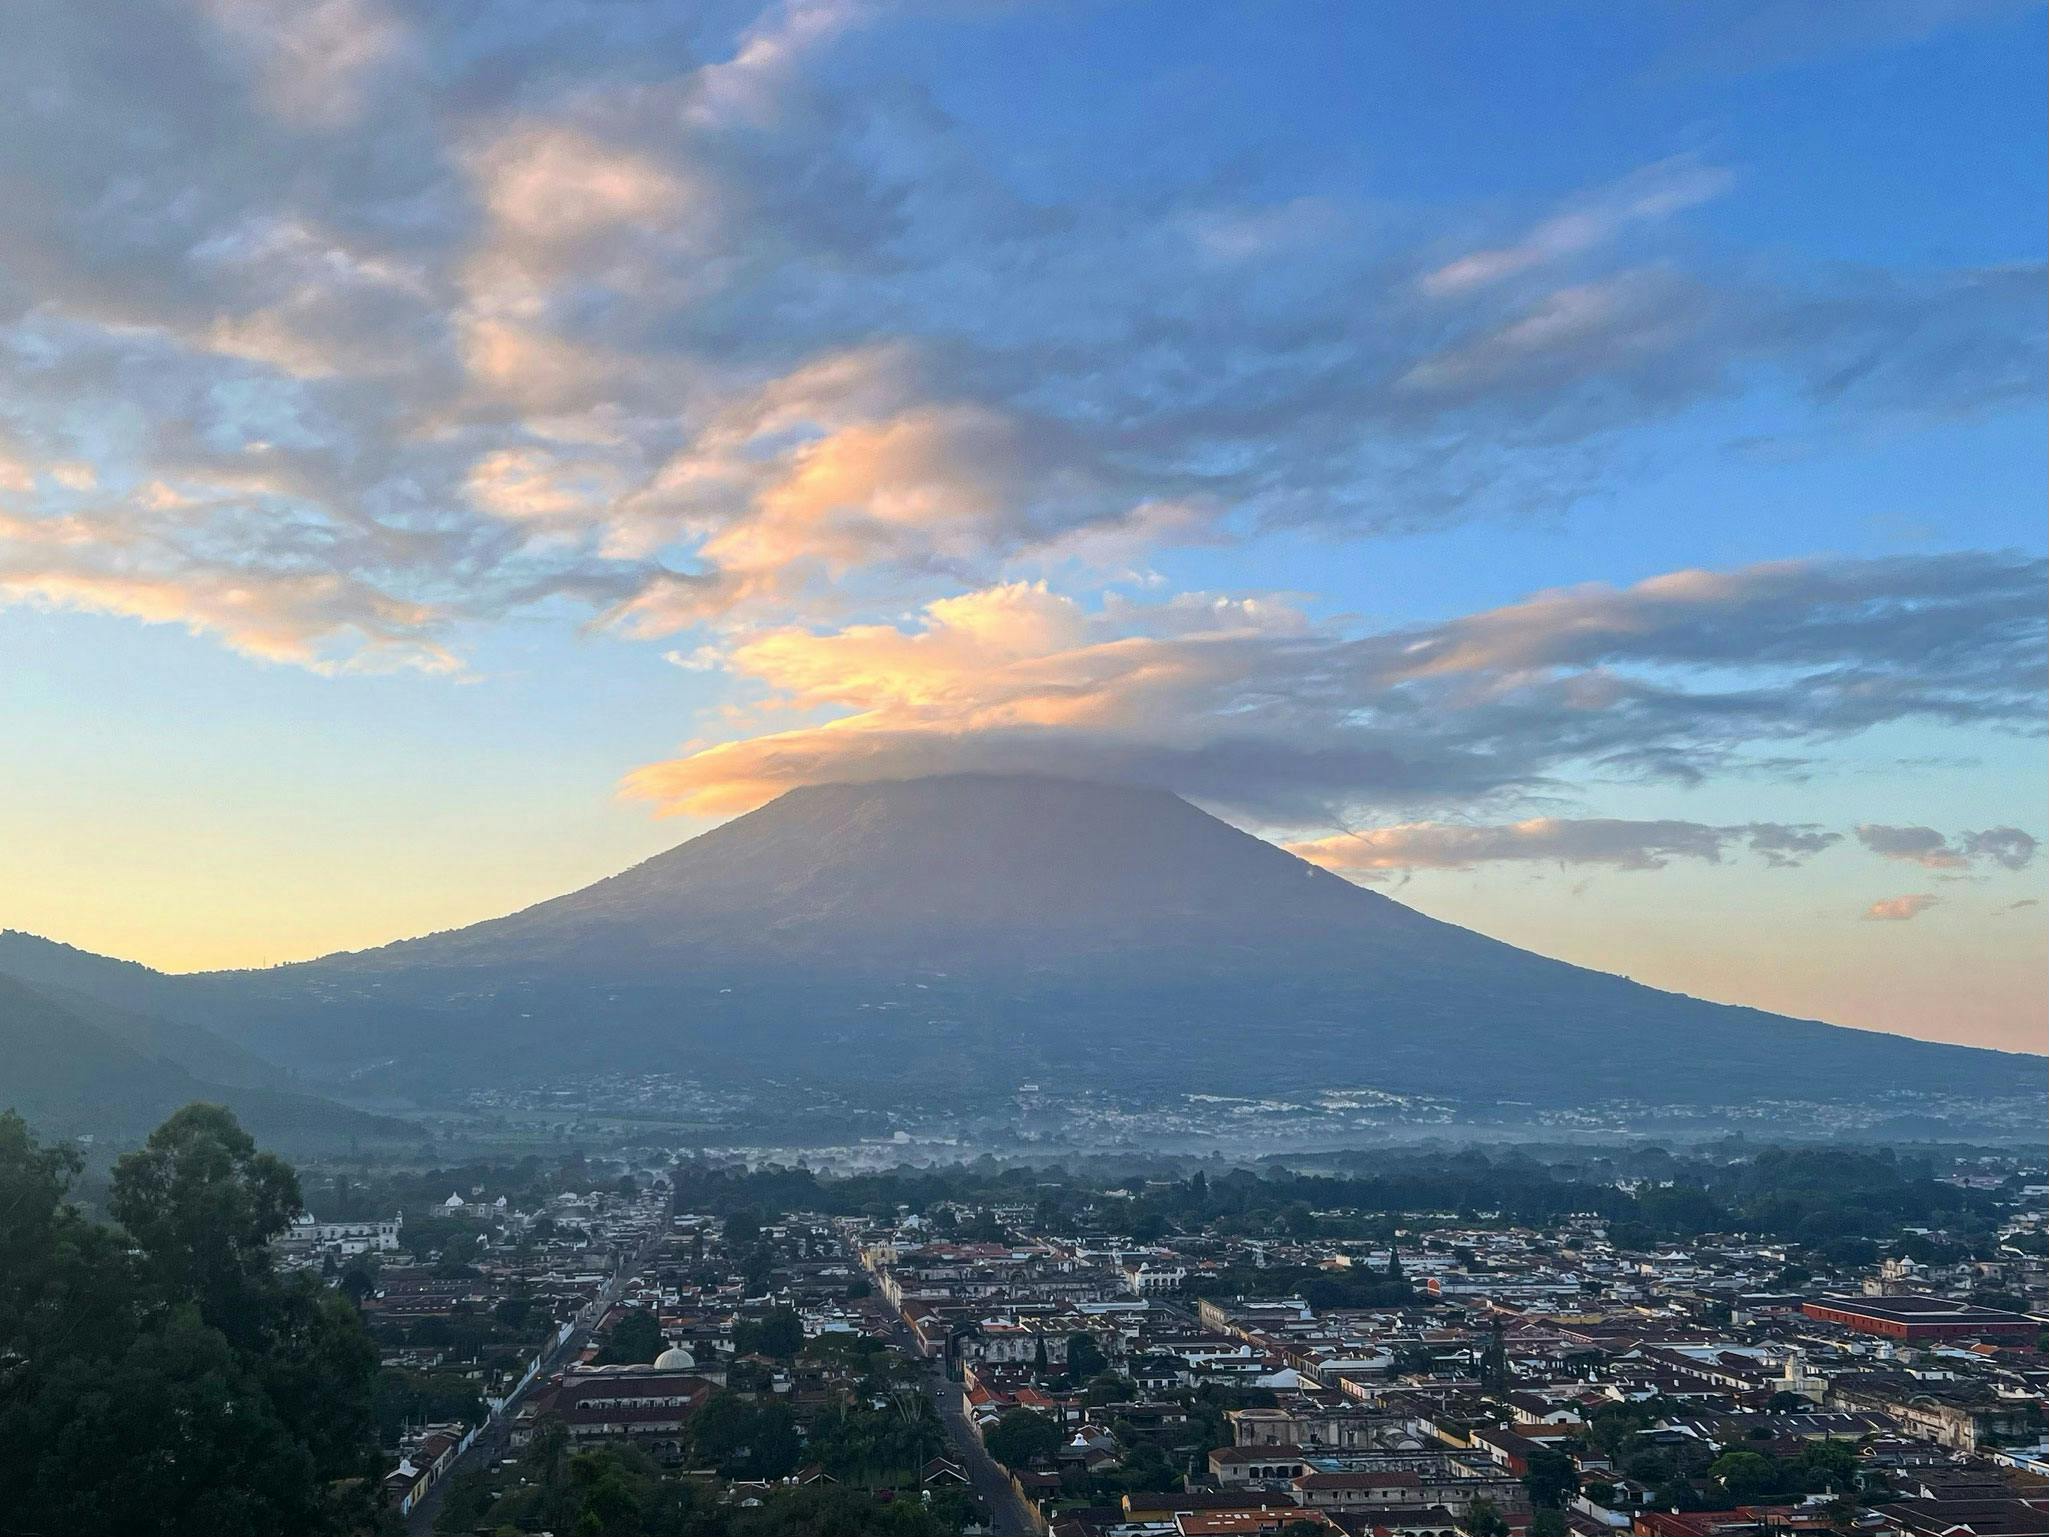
[1924,1320]
[1153,1277]
[343,1237]
[648,1405]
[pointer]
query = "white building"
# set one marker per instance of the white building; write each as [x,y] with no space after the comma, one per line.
[345,1237]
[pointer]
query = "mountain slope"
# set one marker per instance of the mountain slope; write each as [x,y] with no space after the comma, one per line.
[968,931]
[66,1074]
[141,1008]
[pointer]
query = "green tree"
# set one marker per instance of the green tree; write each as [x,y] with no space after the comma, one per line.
[778,1333]
[742,1227]
[176,1384]
[1828,1466]
[203,1205]
[634,1341]
[466,1501]
[1483,1519]
[1747,1476]
[1551,1480]
[1085,1358]
[1021,1435]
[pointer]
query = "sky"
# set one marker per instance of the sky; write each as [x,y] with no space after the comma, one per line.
[1577,468]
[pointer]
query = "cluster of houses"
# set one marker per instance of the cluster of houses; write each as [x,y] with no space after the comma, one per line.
[1545,1382]
[1440,1416]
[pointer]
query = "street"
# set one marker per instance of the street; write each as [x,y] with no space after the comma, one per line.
[490,1442]
[1009,1516]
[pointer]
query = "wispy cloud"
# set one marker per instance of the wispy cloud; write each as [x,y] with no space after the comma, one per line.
[1619,843]
[1656,192]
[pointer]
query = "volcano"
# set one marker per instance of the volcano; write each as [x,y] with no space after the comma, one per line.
[963,933]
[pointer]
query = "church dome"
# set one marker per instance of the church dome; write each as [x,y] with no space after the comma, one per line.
[676,1358]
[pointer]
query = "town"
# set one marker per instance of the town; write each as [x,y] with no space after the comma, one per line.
[1809,1340]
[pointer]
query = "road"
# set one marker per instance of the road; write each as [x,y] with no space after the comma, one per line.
[490,1442]
[1009,1516]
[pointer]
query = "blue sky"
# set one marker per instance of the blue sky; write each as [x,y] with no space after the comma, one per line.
[436,443]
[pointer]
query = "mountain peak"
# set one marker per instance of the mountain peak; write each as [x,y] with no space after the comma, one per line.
[979,928]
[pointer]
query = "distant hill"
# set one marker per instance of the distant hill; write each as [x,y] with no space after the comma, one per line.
[63,1070]
[138,1007]
[966,932]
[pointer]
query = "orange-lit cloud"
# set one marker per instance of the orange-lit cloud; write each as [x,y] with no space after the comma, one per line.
[1902,908]
[315,620]
[1247,704]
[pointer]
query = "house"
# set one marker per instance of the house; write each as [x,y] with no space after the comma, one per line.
[1356,1491]
[1241,1465]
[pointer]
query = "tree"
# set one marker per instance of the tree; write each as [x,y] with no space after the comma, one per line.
[1107,1388]
[719,1430]
[1483,1519]
[1831,1464]
[202,1205]
[466,1501]
[1551,1480]
[414,1397]
[1085,1358]
[1298,1221]
[1747,1476]
[757,1271]
[1020,1436]
[780,1333]
[358,1279]
[742,1227]
[178,1384]
[1548,1523]
[634,1341]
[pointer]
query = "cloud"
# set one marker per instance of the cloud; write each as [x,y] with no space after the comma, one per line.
[1900,909]
[612,312]
[1248,705]
[314,60]
[2008,847]
[312,619]
[1915,845]
[1655,192]
[1622,844]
